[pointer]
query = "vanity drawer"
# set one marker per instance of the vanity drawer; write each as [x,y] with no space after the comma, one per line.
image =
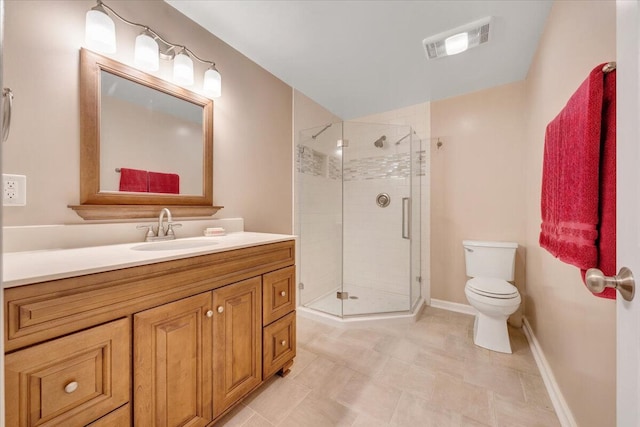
[279,344]
[70,381]
[278,294]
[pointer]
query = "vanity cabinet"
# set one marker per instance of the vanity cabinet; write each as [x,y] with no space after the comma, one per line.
[178,342]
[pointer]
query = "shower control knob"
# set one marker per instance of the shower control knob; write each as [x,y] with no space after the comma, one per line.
[383,200]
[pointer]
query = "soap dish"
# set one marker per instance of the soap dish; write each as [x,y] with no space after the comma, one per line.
[214,231]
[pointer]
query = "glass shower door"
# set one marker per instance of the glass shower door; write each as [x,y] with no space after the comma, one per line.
[319,217]
[377,218]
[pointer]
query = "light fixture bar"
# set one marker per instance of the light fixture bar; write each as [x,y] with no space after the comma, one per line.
[163,40]
[171,49]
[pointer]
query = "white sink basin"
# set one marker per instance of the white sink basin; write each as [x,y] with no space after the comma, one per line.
[172,245]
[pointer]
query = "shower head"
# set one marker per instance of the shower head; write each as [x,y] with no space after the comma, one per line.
[380,141]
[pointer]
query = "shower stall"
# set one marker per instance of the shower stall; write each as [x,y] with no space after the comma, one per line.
[358,218]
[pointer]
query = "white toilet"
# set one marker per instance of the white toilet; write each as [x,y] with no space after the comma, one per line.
[491,266]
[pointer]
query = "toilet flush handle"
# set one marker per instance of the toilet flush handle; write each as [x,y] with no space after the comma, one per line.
[625,284]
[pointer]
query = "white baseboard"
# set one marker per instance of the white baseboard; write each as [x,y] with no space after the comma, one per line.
[557,399]
[453,306]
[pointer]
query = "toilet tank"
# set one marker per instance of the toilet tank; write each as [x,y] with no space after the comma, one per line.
[490,259]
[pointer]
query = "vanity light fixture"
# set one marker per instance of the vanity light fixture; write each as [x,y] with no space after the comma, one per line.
[183,68]
[100,32]
[100,36]
[458,40]
[147,52]
[212,86]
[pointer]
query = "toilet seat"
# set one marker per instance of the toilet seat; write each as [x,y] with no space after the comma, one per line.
[492,288]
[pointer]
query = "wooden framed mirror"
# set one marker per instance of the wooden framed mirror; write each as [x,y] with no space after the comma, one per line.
[145,144]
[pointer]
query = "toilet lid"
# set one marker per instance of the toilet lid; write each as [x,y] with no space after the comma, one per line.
[490,287]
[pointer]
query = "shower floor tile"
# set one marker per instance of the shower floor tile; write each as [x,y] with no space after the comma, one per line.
[341,379]
[362,300]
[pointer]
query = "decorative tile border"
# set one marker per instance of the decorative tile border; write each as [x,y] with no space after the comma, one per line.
[312,162]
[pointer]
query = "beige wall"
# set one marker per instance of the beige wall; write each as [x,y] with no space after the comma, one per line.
[477,181]
[486,185]
[576,330]
[252,119]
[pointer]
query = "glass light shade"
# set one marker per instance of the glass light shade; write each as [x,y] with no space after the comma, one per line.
[212,86]
[183,69]
[457,43]
[100,32]
[147,53]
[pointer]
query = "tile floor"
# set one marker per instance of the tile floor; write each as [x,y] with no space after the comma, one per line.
[428,373]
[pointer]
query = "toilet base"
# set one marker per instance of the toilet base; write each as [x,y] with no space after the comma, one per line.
[491,333]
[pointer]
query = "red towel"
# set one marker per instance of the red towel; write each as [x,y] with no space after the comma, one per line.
[164,183]
[133,180]
[578,178]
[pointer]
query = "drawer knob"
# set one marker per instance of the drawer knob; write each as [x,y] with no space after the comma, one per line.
[283,343]
[283,294]
[71,387]
[220,309]
[210,313]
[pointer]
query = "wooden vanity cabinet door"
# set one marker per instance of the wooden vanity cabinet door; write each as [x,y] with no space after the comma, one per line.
[70,381]
[172,364]
[278,291]
[237,351]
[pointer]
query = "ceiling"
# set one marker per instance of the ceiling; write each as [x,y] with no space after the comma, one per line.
[362,57]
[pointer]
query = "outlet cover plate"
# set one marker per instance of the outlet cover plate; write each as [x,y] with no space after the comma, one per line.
[14,190]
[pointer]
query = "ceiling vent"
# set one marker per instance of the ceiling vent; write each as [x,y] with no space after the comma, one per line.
[458,39]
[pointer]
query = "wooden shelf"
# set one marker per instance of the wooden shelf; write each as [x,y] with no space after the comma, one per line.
[120,212]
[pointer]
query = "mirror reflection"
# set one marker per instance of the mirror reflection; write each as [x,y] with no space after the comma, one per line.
[150,141]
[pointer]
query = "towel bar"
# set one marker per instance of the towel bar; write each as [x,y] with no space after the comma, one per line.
[609,67]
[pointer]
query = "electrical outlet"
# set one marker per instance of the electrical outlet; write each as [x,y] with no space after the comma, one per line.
[14,190]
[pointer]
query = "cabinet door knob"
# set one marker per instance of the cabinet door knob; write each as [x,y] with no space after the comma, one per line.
[71,387]
[283,343]
[220,309]
[210,313]
[283,294]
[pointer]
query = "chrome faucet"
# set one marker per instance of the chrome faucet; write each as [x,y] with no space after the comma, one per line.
[161,233]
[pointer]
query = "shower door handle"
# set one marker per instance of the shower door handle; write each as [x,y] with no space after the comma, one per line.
[406,218]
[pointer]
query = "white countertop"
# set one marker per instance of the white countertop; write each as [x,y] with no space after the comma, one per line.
[22,268]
